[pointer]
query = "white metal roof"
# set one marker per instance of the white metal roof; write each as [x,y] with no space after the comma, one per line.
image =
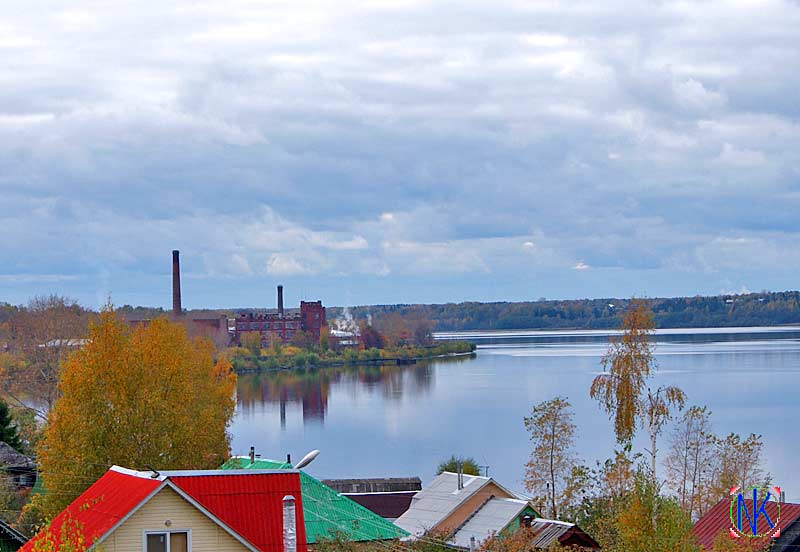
[492,517]
[433,503]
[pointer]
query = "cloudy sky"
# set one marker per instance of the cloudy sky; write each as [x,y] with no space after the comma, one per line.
[398,151]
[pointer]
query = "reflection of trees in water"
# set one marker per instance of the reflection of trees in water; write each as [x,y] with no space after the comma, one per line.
[311,387]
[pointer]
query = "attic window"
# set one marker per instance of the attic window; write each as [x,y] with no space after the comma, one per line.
[175,541]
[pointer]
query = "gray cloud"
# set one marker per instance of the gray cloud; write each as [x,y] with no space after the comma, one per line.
[367,144]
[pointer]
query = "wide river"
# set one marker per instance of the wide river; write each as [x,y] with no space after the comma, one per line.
[394,421]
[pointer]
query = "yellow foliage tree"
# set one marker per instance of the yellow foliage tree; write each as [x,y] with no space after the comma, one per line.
[147,397]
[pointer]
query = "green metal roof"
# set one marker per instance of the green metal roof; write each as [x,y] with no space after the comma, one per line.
[326,512]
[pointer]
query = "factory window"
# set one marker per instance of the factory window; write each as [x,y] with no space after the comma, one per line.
[276,325]
[253,325]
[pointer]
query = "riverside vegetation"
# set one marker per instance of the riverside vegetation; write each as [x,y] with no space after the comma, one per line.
[387,338]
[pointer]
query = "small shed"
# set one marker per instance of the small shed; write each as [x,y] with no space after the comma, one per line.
[19,467]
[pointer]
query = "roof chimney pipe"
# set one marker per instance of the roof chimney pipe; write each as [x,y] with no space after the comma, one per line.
[280,301]
[176,283]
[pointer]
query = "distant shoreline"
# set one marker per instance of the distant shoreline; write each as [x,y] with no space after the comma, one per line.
[446,335]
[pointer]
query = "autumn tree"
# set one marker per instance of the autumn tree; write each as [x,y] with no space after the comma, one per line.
[394,327]
[626,366]
[251,341]
[622,389]
[690,460]
[146,397]
[468,465]
[371,338]
[552,431]
[649,522]
[658,408]
[602,492]
[739,463]
[40,337]
[304,340]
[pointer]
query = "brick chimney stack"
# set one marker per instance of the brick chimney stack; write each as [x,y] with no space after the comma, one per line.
[280,301]
[176,283]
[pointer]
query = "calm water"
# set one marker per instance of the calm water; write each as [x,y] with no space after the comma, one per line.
[402,420]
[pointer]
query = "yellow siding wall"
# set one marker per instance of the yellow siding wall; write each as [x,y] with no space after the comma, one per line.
[207,536]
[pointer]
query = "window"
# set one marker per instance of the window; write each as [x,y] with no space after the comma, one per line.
[175,541]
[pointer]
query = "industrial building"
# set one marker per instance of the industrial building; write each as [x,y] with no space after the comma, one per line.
[282,323]
[271,324]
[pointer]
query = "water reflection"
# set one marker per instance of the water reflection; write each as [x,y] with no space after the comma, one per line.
[378,421]
[310,389]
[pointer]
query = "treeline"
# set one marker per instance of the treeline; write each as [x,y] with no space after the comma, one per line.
[752,309]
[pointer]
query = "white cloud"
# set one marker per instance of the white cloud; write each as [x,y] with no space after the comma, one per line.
[281,264]
[288,138]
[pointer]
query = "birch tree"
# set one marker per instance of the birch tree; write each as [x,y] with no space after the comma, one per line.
[690,460]
[547,474]
[622,390]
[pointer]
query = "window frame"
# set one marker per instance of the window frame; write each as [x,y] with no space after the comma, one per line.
[167,531]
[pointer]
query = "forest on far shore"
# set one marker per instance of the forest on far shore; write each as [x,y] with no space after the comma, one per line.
[752,309]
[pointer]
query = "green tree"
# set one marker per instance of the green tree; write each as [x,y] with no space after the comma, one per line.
[9,433]
[468,465]
[552,461]
[649,522]
[137,397]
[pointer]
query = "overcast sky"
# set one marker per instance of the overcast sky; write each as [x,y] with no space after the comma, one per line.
[398,151]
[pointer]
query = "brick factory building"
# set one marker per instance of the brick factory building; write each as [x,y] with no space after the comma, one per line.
[281,323]
[270,323]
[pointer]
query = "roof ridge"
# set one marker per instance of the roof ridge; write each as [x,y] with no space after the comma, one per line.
[155,476]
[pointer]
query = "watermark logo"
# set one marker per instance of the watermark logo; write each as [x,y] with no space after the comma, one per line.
[753,520]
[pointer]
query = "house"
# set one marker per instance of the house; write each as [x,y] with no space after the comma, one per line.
[11,540]
[546,532]
[325,511]
[468,509]
[716,523]
[389,497]
[444,506]
[183,511]
[20,468]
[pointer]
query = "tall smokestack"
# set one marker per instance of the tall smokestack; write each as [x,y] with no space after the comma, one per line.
[176,283]
[280,300]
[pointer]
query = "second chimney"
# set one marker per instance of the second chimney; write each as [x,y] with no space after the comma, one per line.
[176,283]
[280,301]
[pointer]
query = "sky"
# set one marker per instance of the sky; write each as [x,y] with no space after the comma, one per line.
[389,151]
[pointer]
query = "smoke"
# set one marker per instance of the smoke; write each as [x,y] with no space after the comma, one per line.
[345,324]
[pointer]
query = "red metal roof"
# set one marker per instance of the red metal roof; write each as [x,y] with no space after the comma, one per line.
[248,503]
[251,505]
[100,507]
[717,521]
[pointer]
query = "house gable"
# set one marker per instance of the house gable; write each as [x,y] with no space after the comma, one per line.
[168,506]
[460,514]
